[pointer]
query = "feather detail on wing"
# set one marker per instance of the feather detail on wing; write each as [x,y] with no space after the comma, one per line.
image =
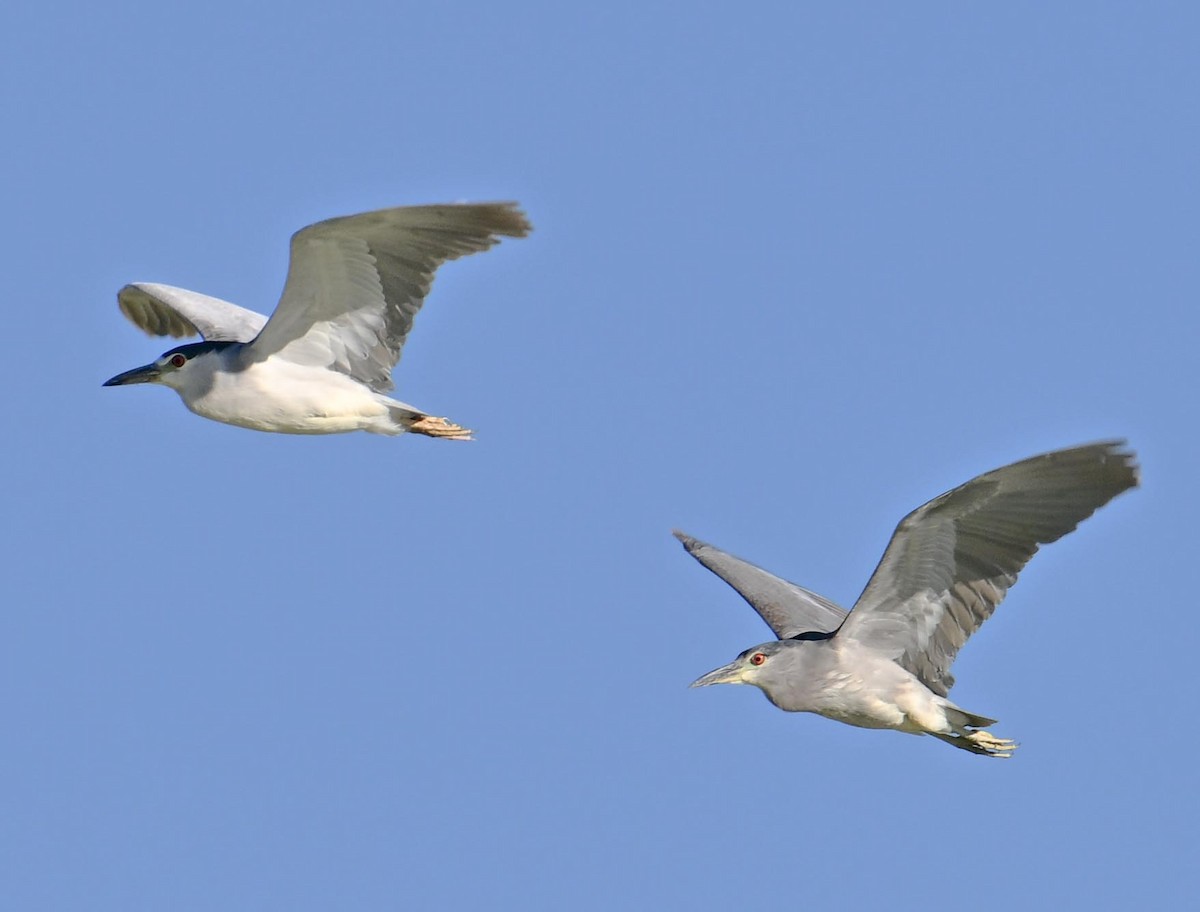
[951,561]
[788,609]
[356,283]
[164,310]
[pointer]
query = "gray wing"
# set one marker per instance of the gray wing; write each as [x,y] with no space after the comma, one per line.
[787,608]
[163,310]
[951,562]
[355,283]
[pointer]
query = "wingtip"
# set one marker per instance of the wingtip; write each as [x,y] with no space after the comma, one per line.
[1126,457]
[1129,458]
[504,218]
[139,306]
[517,225]
[1113,459]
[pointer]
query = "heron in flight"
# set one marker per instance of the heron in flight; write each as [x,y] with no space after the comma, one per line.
[886,663]
[322,363]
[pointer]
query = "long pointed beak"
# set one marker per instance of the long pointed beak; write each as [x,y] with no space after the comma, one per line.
[726,674]
[147,373]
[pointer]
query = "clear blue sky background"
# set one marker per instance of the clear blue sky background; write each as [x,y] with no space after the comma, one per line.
[797,268]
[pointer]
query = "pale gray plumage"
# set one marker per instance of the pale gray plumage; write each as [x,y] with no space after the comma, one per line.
[323,360]
[789,610]
[886,663]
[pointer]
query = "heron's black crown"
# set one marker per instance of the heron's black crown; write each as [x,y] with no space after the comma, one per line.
[195,349]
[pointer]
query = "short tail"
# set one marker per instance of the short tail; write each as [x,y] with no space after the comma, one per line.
[960,719]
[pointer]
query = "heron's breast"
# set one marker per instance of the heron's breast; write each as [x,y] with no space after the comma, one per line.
[276,396]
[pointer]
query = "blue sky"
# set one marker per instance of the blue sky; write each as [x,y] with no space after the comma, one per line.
[797,268]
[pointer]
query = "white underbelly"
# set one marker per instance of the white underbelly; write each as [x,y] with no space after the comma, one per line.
[291,399]
[871,693]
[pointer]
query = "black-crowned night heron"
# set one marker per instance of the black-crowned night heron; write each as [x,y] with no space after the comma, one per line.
[886,663]
[323,361]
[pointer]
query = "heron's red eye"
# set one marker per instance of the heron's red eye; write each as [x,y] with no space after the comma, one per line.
[757,659]
[178,360]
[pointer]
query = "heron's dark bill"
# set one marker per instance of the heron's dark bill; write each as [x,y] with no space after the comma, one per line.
[147,373]
[726,674]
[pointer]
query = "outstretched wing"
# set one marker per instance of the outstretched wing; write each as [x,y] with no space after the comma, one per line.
[163,310]
[355,283]
[951,562]
[788,609]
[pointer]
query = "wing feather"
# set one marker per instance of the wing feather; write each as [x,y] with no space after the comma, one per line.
[788,609]
[952,561]
[355,284]
[164,310]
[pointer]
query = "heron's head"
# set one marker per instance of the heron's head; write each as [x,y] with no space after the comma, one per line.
[173,368]
[757,666]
